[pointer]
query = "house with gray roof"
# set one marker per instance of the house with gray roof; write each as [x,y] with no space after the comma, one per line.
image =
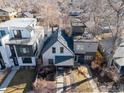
[7,14]
[85,47]
[118,59]
[58,49]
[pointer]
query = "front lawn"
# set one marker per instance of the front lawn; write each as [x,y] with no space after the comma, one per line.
[3,76]
[22,81]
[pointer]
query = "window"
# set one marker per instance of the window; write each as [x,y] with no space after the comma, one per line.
[79,47]
[76,58]
[50,61]
[25,50]
[4,13]
[26,60]
[61,50]
[88,57]
[17,33]
[53,50]
[45,35]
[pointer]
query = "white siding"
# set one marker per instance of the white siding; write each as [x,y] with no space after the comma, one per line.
[49,55]
[32,33]
[25,34]
[5,57]
[4,52]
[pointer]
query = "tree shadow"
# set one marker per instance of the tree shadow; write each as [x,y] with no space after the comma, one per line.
[75,84]
[23,76]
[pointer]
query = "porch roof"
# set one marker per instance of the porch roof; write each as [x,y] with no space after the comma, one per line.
[60,59]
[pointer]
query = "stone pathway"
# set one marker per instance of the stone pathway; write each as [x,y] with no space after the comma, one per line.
[8,79]
[60,82]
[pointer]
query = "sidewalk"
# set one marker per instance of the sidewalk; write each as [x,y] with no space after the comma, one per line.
[8,79]
[60,83]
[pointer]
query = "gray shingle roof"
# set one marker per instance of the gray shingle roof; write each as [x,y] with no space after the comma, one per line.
[50,41]
[8,9]
[54,38]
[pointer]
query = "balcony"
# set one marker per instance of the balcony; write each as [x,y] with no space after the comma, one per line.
[19,41]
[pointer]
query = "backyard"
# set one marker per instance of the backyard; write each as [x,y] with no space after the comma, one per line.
[77,80]
[45,81]
[22,81]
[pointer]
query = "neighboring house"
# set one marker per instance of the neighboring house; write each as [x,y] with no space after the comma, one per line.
[118,60]
[28,15]
[85,45]
[58,50]
[7,14]
[85,48]
[78,27]
[23,43]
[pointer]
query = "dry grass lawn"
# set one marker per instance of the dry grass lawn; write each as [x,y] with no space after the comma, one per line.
[77,81]
[21,82]
[3,75]
[80,76]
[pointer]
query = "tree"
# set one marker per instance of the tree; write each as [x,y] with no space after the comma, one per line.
[117,8]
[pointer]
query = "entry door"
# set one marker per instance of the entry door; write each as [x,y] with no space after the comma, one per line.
[15,61]
[17,34]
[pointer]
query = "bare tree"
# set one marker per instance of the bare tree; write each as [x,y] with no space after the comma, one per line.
[115,19]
